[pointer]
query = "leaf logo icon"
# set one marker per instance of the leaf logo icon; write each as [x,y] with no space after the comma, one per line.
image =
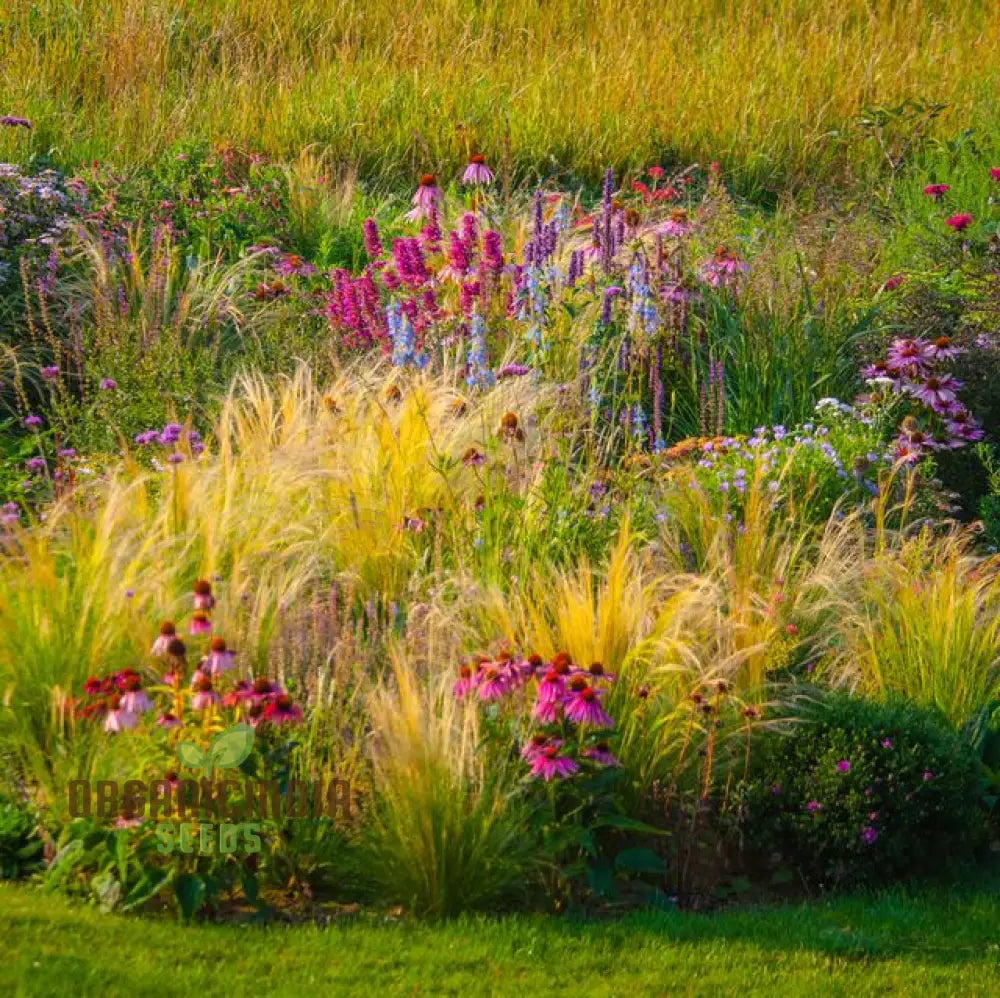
[228,749]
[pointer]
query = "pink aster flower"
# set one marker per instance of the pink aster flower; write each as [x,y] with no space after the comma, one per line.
[583,706]
[281,710]
[477,172]
[549,765]
[426,199]
[959,222]
[936,191]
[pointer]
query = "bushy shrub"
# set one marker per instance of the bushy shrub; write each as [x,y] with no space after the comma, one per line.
[20,845]
[863,792]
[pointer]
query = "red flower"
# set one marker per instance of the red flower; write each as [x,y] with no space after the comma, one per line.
[959,222]
[936,191]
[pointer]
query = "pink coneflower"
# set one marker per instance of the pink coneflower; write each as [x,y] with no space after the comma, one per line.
[722,269]
[426,199]
[118,718]
[168,720]
[281,710]
[465,683]
[206,696]
[203,598]
[677,225]
[263,690]
[238,694]
[549,765]
[536,745]
[547,711]
[597,672]
[936,191]
[910,356]
[551,686]
[219,659]
[583,706]
[292,264]
[944,349]
[491,685]
[168,632]
[935,391]
[134,699]
[200,623]
[601,754]
[477,172]
[959,222]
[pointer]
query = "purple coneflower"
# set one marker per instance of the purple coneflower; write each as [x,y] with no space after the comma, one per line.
[118,718]
[168,631]
[549,765]
[203,598]
[200,623]
[908,355]
[536,745]
[220,659]
[492,685]
[936,391]
[134,698]
[583,706]
[205,696]
[426,199]
[465,683]
[601,754]
[168,720]
[281,710]
[477,172]
[944,349]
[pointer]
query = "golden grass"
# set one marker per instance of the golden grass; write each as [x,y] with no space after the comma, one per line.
[773,87]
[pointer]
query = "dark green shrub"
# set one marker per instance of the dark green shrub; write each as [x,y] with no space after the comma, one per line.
[863,792]
[20,845]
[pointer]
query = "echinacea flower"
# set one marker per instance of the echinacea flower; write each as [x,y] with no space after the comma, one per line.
[203,598]
[205,696]
[220,659]
[465,683]
[119,719]
[935,391]
[549,765]
[281,710]
[477,172]
[167,720]
[551,686]
[597,672]
[134,698]
[426,200]
[238,694]
[944,349]
[583,706]
[168,631]
[492,685]
[263,690]
[908,356]
[601,754]
[536,745]
[959,222]
[936,191]
[200,623]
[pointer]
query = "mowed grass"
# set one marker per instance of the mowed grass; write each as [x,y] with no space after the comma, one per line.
[898,943]
[771,88]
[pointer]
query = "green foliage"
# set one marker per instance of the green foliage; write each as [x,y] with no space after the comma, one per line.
[20,843]
[862,792]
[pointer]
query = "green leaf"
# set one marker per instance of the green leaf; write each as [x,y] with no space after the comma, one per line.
[189,889]
[150,883]
[192,755]
[232,746]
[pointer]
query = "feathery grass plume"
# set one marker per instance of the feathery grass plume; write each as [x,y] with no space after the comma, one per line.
[447,833]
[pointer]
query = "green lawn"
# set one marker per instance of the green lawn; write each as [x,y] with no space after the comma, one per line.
[905,944]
